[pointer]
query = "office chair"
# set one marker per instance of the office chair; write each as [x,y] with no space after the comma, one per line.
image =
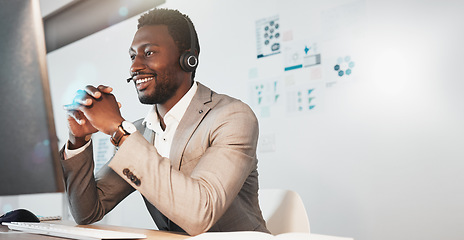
[283,211]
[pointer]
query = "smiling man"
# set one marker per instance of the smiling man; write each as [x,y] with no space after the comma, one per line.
[193,157]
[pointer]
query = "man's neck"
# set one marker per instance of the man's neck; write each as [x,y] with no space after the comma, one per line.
[163,108]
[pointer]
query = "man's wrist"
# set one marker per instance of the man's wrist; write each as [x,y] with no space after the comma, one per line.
[115,127]
[123,131]
[69,153]
[77,142]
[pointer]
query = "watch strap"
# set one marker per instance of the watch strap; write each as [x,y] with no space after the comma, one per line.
[117,136]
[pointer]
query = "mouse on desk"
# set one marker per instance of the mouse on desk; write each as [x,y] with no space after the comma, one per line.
[19,215]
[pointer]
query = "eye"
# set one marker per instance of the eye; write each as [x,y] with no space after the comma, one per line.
[149,53]
[132,57]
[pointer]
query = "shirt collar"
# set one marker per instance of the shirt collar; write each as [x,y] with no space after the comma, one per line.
[174,114]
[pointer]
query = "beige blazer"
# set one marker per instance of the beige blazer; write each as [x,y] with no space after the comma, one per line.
[209,183]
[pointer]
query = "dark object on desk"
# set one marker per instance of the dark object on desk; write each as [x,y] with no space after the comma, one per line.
[19,215]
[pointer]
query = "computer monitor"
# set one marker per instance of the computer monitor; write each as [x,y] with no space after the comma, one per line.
[29,161]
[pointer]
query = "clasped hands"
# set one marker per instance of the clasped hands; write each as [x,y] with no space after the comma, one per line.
[93,109]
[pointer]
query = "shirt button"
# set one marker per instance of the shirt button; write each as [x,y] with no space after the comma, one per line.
[130,175]
[132,178]
[137,182]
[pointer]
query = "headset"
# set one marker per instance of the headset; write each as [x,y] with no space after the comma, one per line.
[188,60]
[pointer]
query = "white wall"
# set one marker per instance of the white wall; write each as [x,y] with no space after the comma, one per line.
[379,157]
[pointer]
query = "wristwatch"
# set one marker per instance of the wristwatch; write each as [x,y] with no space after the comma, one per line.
[124,129]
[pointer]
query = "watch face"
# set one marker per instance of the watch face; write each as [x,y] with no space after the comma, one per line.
[129,127]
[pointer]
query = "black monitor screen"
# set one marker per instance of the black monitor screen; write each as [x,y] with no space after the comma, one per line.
[28,144]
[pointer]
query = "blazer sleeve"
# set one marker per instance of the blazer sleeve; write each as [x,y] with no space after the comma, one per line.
[197,200]
[91,197]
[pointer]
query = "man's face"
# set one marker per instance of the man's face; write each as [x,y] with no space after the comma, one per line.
[155,61]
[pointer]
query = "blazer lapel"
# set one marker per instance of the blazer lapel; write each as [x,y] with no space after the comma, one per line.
[195,113]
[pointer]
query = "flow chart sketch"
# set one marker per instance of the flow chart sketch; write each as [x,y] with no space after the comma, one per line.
[268,36]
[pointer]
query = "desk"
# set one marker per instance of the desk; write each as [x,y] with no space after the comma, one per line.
[151,234]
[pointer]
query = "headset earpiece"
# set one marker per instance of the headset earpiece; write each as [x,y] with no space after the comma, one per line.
[189,60]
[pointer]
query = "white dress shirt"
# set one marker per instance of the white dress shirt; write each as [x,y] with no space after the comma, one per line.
[163,139]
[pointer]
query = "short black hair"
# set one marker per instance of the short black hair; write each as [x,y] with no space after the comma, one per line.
[177,27]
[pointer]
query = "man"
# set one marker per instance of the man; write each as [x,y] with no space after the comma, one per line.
[193,158]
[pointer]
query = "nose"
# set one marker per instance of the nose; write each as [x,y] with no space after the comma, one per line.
[137,64]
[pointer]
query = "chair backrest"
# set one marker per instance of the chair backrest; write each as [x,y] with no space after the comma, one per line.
[283,211]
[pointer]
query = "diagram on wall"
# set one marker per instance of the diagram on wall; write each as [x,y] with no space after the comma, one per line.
[311,62]
[304,97]
[266,94]
[344,66]
[341,68]
[299,54]
[268,36]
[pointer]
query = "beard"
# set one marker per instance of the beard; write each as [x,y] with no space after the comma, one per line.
[163,91]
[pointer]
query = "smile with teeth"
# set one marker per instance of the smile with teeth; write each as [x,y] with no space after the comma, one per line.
[143,80]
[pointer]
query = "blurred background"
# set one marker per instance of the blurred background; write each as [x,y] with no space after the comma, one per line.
[360,103]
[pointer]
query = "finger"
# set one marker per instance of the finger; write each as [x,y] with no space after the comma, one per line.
[82,98]
[85,101]
[77,116]
[105,89]
[92,91]
[71,107]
